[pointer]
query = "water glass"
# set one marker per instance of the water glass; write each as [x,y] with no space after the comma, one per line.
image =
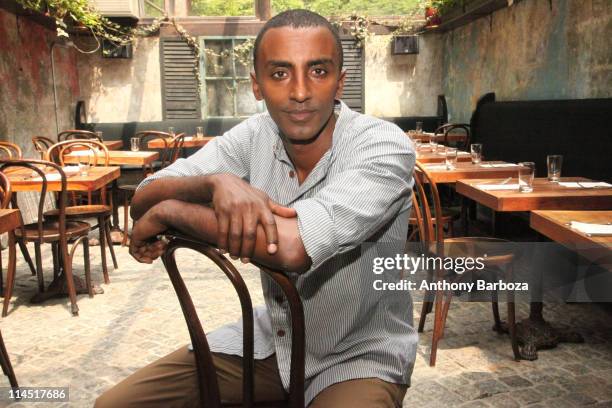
[476,152]
[451,158]
[525,176]
[84,169]
[199,132]
[99,134]
[135,144]
[417,144]
[171,131]
[419,127]
[554,163]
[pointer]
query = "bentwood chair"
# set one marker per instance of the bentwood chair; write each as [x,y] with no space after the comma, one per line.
[499,259]
[42,144]
[77,134]
[57,232]
[5,199]
[168,154]
[207,376]
[449,127]
[15,150]
[101,212]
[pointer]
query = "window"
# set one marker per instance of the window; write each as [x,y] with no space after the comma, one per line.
[152,8]
[225,72]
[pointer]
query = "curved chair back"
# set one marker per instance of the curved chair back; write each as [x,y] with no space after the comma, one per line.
[42,144]
[5,191]
[15,150]
[207,377]
[5,153]
[97,152]
[177,147]
[446,131]
[77,134]
[165,152]
[425,194]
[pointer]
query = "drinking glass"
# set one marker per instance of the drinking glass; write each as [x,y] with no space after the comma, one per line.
[99,134]
[525,176]
[476,152]
[135,144]
[554,163]
[419,127]
[451,158]
[84,169]
[417,144]
[171,131]
[199,132]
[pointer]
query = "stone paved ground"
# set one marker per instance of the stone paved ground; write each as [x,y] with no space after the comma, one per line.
[138,320]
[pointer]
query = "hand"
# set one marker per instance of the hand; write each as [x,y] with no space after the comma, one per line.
[144,245]
[239,209]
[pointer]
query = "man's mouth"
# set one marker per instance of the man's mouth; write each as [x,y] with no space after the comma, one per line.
[300,115]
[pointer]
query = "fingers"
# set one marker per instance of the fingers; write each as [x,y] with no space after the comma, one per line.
[222,231]
[249,236]
[235,236]
[147,252]
[269,226]
[285,212]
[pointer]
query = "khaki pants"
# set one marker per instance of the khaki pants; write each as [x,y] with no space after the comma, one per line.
[172,382]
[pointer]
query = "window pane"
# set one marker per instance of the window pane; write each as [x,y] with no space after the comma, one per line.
[219,94]
[153,8]
[330,8]
[246,102]
[222,8]
[218,58]
[242,57]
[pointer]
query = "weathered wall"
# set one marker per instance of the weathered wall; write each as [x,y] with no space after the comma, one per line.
[26,84]
[123,90]
[530,51]
[402,85]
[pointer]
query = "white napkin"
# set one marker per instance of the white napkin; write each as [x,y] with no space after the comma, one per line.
[592,229]
[585,184]
[49,177]
[81,153]
[435,167]
[462,153]
[70,170]
[490,165]
[490,187]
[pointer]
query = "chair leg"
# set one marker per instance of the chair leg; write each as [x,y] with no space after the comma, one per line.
[446,306]
[495,306]
[67,259]
[1,273]
[7,368]
[107,229]
[125,218]
[39,270]
[10,273]
[425,309]
[437,330]
[88,266]
[26,256]
[56,260]
[102,235]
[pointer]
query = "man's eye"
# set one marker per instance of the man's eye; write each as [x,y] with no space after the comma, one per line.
[319,71]
[279,74]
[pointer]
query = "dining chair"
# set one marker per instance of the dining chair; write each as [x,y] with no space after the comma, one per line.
[500,258]
[5,199]
[57,232]
[101,212]
[206,373]
[15,149]
[42,144]
[77,134]
[167,155]
[446,131]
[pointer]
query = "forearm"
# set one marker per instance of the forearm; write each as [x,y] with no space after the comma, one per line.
[200,222]
[196,189]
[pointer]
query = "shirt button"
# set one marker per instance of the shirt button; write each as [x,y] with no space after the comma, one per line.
[280,333]
[291,173]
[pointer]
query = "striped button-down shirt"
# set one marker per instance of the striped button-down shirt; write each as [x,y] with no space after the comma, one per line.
[352,207]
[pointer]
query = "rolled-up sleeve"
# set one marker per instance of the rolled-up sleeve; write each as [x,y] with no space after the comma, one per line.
[373,186]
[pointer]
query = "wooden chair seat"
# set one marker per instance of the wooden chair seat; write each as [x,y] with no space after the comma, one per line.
[50,230]
[474,247]
[80,211]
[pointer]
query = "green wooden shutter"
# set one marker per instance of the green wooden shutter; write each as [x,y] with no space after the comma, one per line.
[353,84]
[180,99]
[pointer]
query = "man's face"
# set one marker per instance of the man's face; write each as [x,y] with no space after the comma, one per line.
[298,76]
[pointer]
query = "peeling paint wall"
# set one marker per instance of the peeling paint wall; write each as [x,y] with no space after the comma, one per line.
[27,105]
[123,90]
[402,85]
[530,51]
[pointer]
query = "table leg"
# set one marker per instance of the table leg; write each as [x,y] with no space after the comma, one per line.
[116,232]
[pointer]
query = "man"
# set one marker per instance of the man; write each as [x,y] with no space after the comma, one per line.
[297,189]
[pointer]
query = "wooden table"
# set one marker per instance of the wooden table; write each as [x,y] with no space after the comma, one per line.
[546,195]
[116,157]
[452,137]
[190,141]
[425,155]
[97,178]
[556,226]
[468,170]
[110,145]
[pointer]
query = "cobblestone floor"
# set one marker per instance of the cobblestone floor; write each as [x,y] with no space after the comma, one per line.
[138,320]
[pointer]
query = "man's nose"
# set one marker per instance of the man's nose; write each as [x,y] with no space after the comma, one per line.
[300,90]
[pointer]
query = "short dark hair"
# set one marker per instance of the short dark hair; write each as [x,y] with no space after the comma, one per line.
[298,18]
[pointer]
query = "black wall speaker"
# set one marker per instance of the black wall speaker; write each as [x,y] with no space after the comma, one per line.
[111,50]
[405,44]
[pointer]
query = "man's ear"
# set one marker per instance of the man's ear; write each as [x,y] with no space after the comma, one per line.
[340,84]
[255,85]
